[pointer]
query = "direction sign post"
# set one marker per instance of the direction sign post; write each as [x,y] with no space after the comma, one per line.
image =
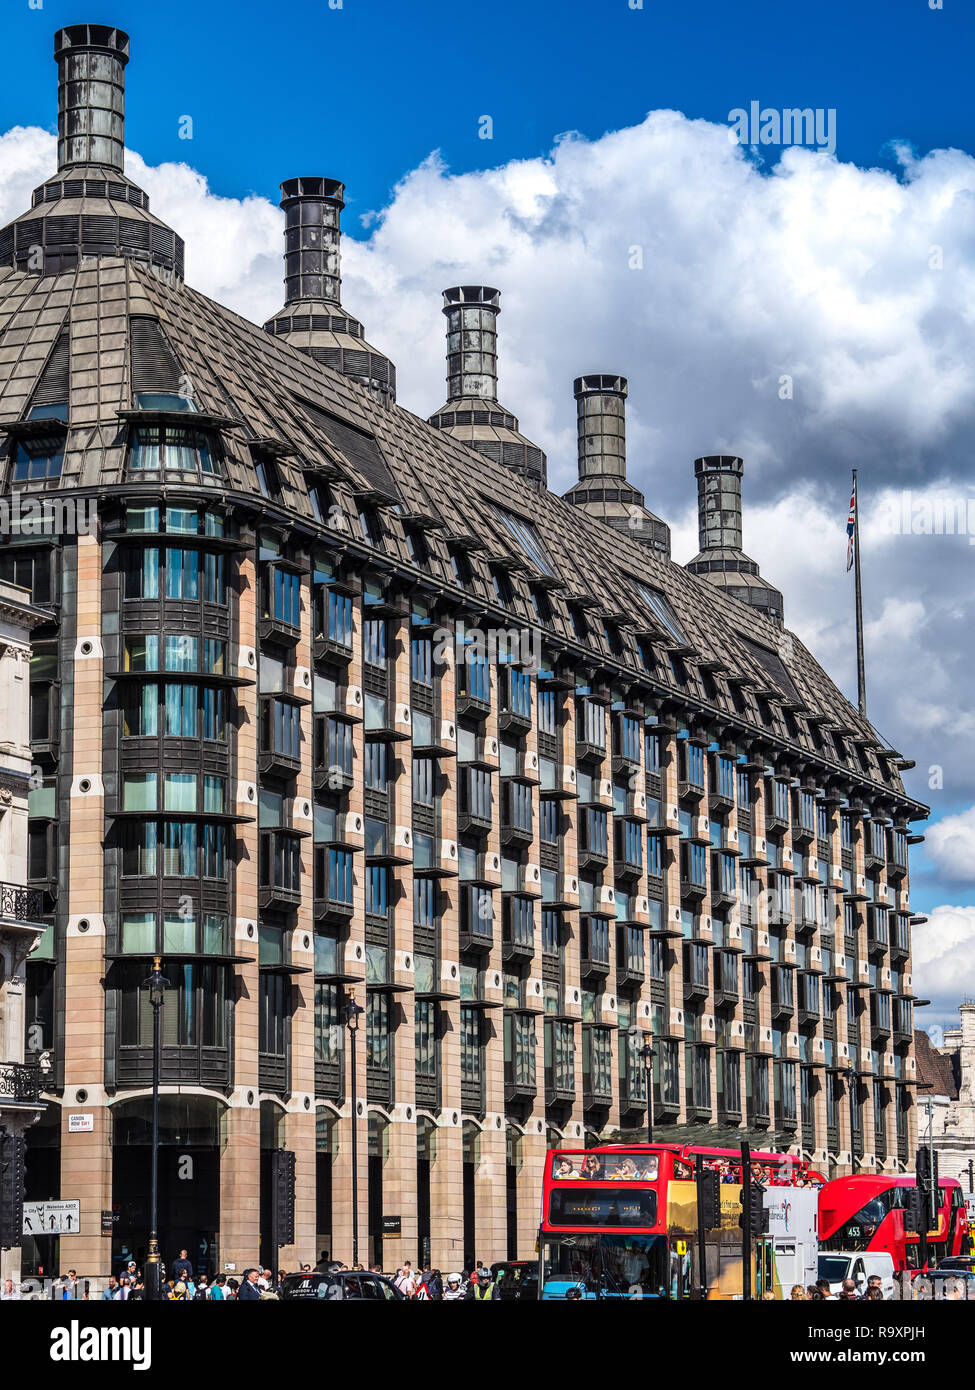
[52,1218]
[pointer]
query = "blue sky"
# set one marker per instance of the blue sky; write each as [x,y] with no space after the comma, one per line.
[365,92]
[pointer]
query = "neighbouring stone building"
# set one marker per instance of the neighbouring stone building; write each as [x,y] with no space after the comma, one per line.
[333,701]
[21,927]
[948,1072]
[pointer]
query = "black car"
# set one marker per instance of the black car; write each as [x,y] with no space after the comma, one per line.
[516,1280]
[342,1284]
[964,1264]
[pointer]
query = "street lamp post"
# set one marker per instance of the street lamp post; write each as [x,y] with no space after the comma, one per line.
[157,984]
[353,1013]
[851,1083]
[648,1055]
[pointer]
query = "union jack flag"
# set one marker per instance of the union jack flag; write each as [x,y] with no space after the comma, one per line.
[851,526]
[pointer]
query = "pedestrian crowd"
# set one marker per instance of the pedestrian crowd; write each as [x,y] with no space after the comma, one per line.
[820,1292]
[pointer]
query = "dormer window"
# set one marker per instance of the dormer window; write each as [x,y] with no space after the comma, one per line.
[416,545]
[163,400]
[502,587]
[58,411]
[369,526]
[580,628]
[268,477]
[460,565]
[39,457]
[172,447]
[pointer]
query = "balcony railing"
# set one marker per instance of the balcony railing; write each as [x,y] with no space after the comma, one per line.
[19,904]
[20,1082]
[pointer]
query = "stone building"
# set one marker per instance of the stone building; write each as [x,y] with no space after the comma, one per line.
[336,702]
[948,1073]
[21,928]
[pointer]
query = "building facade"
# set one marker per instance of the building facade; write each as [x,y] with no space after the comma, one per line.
[21,929]
[946,1076]
[334,703]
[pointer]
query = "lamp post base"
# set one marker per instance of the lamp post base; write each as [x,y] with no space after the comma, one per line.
[153,1272]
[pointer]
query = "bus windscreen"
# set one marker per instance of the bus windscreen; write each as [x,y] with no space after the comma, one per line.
[599,1206]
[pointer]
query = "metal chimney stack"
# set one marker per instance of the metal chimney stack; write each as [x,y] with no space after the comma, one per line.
[601,409]
[721,560]
[473,413]
[313,319]
[312,255]
[719,501]
[91,61]
[603,490]
[472,341]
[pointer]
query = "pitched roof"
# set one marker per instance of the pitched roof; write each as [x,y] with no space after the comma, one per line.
[330,427]
[934,1070]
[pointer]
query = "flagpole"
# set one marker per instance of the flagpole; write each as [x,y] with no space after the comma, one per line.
[861,676]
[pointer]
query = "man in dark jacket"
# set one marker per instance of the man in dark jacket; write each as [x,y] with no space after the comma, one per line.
[434,1284]
[249,1288]
[182,1268]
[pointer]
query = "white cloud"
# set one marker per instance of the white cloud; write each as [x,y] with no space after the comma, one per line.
[950,844]
[944,962]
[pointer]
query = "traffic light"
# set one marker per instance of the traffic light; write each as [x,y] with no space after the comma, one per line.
[927,1184]
[758,1216]
[283,1188]
[11,1188]
[710,1200]
[915,1209]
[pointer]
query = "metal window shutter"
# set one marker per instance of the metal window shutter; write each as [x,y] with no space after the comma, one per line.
[154,368]
[52,389]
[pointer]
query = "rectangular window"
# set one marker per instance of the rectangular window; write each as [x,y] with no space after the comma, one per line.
[423,781]
[374,642]
[377,1030]
[421,660]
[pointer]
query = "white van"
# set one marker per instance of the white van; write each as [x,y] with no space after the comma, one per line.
[839,1265]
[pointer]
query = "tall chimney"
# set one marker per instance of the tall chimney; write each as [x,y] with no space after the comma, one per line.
[91,61]
[473,413]
[313,319]
[719,501]
[312,256]
[472,341]
[601,411]
[721,560]
[603,490]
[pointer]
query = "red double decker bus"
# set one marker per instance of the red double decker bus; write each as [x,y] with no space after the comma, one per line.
[866,1212]
[621,1221]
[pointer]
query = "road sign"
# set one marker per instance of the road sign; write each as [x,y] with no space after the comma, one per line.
[52,1218]
[80,1124]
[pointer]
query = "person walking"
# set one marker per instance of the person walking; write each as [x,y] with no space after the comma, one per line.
[138,1289]
[111,1289]
[202,1290]
[874,1282]
[250,1289]
[182,1268]
[823,1286]
[218,1291]
[8,1293]
[452,1292]
[798,1294]
[405,1280]
[849,1292]
[178,1294]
